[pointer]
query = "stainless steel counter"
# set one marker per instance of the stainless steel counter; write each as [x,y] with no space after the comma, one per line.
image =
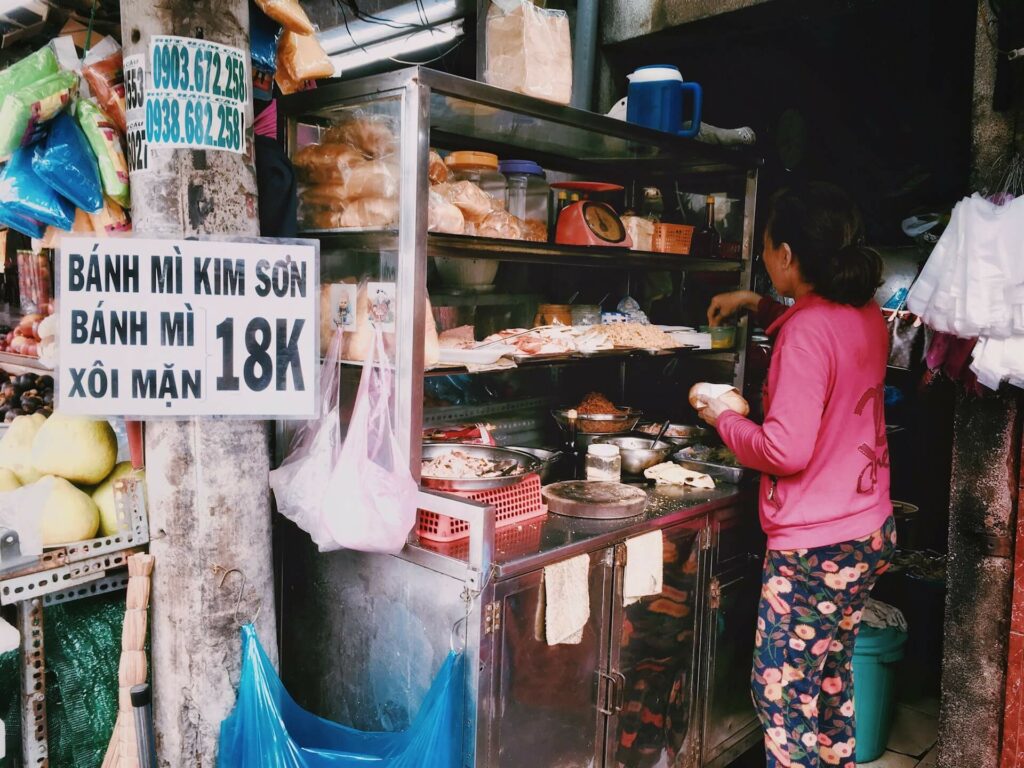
[536,543]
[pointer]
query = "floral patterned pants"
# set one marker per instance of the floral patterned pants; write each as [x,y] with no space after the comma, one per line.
[802,681]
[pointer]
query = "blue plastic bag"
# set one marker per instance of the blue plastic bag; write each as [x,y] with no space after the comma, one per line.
[67,164]
[267,729]
[24,193]
[25,225]
[263,35]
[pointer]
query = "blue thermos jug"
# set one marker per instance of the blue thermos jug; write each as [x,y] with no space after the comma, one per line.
[655,100]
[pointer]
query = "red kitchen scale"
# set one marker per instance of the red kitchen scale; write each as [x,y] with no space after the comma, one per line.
[590,222]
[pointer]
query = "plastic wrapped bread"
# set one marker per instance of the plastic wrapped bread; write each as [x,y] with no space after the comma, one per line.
[529,50]
[437,169]
[319,163]
[442,216]
[301,57]
[287,13]
[373,135]
[356,344]
[474,203]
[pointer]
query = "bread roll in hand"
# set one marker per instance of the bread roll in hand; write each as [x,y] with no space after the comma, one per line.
[703,390]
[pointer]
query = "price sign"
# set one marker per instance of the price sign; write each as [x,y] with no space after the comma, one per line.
[198,94]
[179,328]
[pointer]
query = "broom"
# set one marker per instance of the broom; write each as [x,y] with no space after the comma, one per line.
[122,751]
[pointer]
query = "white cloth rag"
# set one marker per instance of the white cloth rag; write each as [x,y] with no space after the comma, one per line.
[10,638]
[881,615]
[567,600]
[644,574]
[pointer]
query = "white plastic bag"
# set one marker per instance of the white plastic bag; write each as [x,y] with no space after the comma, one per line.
[371,496]
[300,483]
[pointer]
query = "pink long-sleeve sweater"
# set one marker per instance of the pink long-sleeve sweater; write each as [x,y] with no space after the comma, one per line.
[822,449]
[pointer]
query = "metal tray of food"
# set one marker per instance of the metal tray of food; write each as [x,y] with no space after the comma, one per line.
[723,472]
[680,435]
[600,423]
[514,466]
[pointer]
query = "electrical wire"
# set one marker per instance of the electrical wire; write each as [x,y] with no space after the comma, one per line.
[429,61]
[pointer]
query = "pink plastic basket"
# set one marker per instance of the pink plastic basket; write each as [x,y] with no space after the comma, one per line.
[513,504]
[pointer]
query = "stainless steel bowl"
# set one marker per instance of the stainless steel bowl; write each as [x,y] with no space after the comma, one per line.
[526,465]
[638,454]
[680,435]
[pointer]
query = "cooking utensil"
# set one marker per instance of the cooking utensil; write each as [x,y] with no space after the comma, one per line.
[513,466]
[637,453]
[661,433]
[604,500]
[600,423]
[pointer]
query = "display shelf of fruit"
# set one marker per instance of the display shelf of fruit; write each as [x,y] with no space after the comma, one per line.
[24,338]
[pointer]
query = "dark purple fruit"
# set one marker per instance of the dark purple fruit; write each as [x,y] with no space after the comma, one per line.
[25,381]
[11,415]
[44,382]
[31,404]
[47,397]
[46,411]
[9,391]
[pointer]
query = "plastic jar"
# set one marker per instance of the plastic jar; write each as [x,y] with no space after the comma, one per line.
[527,196]
[586,314]
[481,168]
[604,462]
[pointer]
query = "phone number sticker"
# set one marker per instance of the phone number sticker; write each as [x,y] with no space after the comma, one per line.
[197,95]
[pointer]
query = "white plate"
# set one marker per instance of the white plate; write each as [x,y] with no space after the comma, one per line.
[488,355]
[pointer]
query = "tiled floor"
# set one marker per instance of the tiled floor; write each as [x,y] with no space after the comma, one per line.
[912,738]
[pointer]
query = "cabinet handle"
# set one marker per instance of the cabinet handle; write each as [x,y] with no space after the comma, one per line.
[620,690]
[605,704]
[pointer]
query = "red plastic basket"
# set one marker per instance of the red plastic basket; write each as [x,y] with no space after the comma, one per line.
[513,504]
[512,541]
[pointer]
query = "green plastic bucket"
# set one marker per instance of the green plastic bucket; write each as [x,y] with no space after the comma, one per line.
[874,657]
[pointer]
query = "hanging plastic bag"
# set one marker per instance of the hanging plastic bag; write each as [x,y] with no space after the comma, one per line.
[299,483]
[25,113]
[24,193]
[370,504]
[528,50]
[287,13]
[31,69]
[301,57]
[105,140]
[267,729]
[65,162]
[111,220]
[263,35]
[103,69]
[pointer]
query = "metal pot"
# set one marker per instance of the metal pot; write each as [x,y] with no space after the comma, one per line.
[638,454]
[549,461]
[524,464]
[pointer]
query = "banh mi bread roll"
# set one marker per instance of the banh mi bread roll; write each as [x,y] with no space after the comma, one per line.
[725,392]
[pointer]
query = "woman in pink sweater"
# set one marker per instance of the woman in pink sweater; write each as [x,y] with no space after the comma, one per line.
[822,452]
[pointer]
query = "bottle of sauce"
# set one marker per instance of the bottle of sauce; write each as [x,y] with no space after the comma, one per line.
[707,242]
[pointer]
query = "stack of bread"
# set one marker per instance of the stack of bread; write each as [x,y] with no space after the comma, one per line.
[351,178]
[463,208]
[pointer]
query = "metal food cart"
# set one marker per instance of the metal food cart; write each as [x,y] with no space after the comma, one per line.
[663,681]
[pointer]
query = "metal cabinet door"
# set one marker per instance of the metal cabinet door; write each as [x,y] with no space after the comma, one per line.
[654,717]
[544,706]
[730,723]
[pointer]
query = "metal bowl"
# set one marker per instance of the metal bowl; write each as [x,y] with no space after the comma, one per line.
[680,435]
[527,465]
[548,460]
[600,423]
[638,454]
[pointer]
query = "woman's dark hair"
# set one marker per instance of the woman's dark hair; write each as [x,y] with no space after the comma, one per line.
[825,232]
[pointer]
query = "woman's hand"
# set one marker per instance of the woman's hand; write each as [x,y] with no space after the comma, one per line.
[711,409]
[725,305]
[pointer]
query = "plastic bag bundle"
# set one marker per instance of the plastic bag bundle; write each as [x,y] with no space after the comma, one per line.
[103,69]
[529,50]
[267,729]
[25,194]
[24,224]
[105,140]
[25,112]
[110,220]
[263,35]
[66,163]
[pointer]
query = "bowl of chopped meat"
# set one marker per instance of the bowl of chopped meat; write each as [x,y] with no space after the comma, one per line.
[597,415]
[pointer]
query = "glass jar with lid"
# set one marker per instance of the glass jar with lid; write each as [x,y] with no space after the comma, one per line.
[527,196]
[604,462]
[481,168]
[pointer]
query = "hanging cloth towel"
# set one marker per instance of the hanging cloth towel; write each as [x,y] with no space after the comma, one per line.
[644,572]
[567,600]
[881,615]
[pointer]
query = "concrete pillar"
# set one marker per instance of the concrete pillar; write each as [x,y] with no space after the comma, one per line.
[209,500]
